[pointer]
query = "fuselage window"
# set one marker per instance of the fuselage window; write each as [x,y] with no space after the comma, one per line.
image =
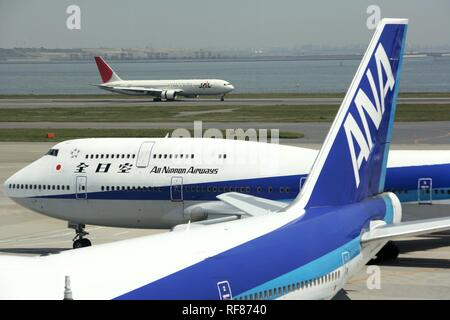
[281,190]
[62,187]
[101,156]
[220,156]
[128,156]
[192,156]
[123,156]
[102,188]
[92,156]
[26,186]
[159,156]
[57,187]
[106,156]
[107,188]
[287,189]
[224,156]
[270,189]
[67,187]
[176,156]
[181,156]
[154,156]
[170,156]
[87,156]
[165,156]
[259,189]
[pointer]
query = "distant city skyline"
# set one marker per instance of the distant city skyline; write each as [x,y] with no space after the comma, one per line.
[211,25]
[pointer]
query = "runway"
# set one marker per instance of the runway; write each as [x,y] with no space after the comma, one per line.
[147,101]
[420,272]
[410,133]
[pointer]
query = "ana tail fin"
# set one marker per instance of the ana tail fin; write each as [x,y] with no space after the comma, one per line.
[352,162]
[106,72]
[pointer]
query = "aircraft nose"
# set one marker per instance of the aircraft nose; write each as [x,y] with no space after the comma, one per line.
[231,87]
[7,186]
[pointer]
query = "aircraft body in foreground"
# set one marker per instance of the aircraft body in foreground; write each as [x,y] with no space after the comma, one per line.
[308,249]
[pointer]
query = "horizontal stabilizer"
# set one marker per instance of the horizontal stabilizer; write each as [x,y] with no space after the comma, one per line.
[203,223]
[406,229]
[251,205]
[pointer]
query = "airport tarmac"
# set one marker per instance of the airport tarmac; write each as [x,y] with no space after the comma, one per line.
[422,270]
[410,133]
[147,101]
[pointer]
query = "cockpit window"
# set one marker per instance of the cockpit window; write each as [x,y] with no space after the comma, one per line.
[53,152]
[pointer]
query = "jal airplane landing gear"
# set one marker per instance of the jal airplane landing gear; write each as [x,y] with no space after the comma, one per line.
[222,97]
[79,241]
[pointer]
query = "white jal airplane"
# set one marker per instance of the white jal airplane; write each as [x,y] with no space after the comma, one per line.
[161,89]
[309,249]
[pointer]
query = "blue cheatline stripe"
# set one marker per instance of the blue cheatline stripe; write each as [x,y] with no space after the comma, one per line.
[321,266]
[400,178]
[315,269]
[381,186]
[270,256]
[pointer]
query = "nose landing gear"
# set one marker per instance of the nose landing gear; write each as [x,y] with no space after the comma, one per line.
[79,241]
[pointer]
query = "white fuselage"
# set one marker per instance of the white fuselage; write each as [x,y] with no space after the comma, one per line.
[182,87]
[164,182]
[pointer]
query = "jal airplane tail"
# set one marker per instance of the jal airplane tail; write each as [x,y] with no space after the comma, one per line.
[106,72]
[351,166]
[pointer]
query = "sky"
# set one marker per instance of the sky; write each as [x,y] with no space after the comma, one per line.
[213,24]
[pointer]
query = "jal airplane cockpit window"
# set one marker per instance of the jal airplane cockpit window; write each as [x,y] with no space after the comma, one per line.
[53,152]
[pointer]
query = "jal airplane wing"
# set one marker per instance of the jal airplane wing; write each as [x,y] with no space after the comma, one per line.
[141,90]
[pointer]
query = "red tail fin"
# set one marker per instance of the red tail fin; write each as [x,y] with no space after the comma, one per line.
[105,70]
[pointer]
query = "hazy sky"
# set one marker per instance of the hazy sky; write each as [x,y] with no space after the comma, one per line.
[212,23]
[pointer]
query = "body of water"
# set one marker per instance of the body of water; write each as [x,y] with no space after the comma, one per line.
[419,75]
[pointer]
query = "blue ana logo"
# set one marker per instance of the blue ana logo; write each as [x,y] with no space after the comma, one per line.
[365,106]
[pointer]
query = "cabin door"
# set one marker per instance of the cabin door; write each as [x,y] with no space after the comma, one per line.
[176,189]
[425,191]
[144,154]
[81,188]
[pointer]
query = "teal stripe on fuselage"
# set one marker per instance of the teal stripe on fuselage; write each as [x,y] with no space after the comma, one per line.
[319,267]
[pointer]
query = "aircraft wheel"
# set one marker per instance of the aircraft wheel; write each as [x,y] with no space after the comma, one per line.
[81,243]
[222,98]
[77,244]
[85,242]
